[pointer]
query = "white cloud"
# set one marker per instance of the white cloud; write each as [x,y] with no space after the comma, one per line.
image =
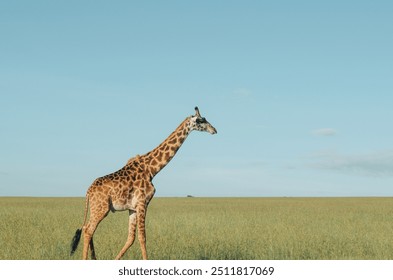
[324,132]
[378,164]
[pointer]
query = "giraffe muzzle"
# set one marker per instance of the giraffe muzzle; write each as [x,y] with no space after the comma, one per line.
[212,130]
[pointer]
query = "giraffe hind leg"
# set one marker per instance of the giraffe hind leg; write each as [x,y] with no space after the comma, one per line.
[88,241]
[92,251]
[95,218]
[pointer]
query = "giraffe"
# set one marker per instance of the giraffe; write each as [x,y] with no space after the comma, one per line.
[131,188]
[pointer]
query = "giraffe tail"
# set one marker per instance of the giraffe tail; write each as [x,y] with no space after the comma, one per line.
[78,233]
[75,240]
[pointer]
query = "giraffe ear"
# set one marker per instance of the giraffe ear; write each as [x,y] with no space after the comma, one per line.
[197,112]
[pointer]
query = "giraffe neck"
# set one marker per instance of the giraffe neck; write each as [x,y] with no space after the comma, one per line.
[158,158]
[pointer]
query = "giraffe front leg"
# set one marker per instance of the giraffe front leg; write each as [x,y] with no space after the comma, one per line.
[141,215]
[131,234]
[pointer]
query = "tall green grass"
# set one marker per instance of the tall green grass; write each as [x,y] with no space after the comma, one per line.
[207,228]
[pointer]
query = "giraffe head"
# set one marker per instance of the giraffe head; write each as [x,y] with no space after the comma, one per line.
[201,124]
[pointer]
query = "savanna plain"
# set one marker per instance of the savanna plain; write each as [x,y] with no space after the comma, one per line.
[207,228]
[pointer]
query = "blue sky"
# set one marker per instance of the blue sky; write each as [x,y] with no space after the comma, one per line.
[301,93]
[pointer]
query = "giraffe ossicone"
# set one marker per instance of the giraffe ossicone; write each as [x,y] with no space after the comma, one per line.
[131,188]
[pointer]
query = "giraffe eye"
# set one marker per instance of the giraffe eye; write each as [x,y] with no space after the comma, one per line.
[201,120]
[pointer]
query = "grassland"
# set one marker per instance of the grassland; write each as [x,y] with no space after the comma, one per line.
[208,228]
